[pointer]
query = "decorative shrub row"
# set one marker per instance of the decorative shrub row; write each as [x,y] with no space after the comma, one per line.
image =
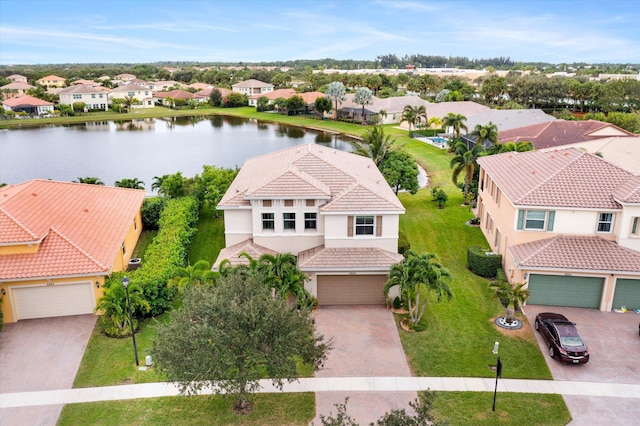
[152,210]
[483,264]
[167,251]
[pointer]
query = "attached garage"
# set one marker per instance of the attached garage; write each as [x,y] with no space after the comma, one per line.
[53,300]
[627,294]
[351,289]
[561,290]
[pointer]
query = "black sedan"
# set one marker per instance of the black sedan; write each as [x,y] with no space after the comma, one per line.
[562,337]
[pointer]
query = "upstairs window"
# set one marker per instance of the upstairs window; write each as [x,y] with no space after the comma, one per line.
[536,220]
[289,221]
[288,203]
[605,222]
[266,203]
[310,221]
[364,225]
[268,221]
[635,227]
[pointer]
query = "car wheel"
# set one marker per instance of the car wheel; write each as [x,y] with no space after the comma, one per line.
[552,352]
[536,324]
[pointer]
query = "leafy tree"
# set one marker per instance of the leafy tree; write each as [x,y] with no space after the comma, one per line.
[113,305]
[90,180]
[628,121]
[400,171]
[322,105]
[493,89]
[198,274]
[215,98]
[440,197]
[262,103]
[465,160]
[66,110]
[416,276]
[510,147]
[336,92]
[235,334]
[295,103]
[485,134]
[79,106]
[214,182]
[280,80]
[373,82]
[234,100]
[363,96]
[134,183]
[280,104]
[374,144]
[512,297]
[421,415]
[172,186]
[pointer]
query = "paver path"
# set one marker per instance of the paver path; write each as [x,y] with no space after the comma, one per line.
[38,355]
[366,344]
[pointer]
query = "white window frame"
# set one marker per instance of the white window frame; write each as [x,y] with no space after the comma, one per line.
[603,222]
[362,229]
[527,219]
[268,217]
[311,222]
[635,227]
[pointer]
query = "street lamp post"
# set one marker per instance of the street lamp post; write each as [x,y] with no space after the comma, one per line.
[498,374]
[125,284]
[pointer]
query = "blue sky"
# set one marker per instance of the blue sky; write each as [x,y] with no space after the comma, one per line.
[33,32]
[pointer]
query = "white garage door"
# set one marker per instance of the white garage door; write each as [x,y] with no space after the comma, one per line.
[53,301]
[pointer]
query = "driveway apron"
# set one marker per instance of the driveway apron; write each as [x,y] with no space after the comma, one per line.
[366,344]
[614,357]
[41,354]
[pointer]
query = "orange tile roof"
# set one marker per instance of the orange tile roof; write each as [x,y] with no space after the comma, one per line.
[352,182]
[351,258]
[233,253]
[73,221]
[576,253]
[275,94]
[26,100]
[564,178]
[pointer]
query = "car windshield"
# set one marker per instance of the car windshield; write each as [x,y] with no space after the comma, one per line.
[571,341]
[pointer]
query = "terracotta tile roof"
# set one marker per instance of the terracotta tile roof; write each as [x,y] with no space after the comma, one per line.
[86,82]
[174,94]
[81,88]
[199,86]
[16,77]
[51,78]
[347,258]
[17,85]
[310,97]
[25,100]
[275,94]
[628,192]
[94,219]
[252,83]
[565,178]
[233,253]
[207,92]
[560,132]
[319,172]
[576,253]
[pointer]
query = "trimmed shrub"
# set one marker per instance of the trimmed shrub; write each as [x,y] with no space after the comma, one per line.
[482,262]
[403,243]
[151,210]
[397,303]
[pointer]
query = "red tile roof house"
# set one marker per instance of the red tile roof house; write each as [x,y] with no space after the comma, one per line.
[561,132]
[17,78]
[58,241]
[29,104]
[14,89]
[143,94]
[567,223]
[173,95]
[332,209]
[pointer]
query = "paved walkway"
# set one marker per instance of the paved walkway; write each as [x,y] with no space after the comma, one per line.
[331,384]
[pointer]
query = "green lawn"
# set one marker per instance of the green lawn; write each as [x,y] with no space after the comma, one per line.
[268,409]
[143,242]
[209,239]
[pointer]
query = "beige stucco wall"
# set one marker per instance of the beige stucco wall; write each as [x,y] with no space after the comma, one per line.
[336,233]
[237,226]
[624,237]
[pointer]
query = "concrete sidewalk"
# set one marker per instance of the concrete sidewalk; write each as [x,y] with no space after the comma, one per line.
[359,384]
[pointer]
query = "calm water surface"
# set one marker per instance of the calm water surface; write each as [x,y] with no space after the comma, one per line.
[145,148]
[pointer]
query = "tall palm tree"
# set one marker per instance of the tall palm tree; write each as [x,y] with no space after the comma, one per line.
[419,275]
[456,121]
[414,115]
[486,133]
[375,145]
[435,123]
[363,96]
[134,183]
[465,160]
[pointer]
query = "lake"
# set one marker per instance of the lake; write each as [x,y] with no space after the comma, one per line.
[145,148]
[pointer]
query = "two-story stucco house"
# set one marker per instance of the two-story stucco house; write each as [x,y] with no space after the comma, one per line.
[93,97]
[51,81]
[58,241]
[252,87]
[143,94]
[567,223]
[332,209]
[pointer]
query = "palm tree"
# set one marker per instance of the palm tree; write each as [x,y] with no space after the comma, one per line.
[435,123]
[336,91]
[157,182]
[465,160]
[375,145]
[113,305]
[363,96]
[90,181]
[414,115]
[513,297]
[486,133]
[383,114]
[419,275]
[200,273]
[134,183]
[456,121]
[282,274]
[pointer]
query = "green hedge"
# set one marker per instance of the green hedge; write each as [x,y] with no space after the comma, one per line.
[403,243]
[483,264]
[152,210]
[168,251]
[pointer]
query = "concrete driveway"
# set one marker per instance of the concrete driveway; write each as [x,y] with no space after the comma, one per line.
[614,357]
[41,354]
[366,344]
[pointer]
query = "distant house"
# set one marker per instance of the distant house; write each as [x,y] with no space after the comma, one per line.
[561,132]
[205,94]
[58,242]
[86,82]
[332,209]
[51,81]
[393,107]
[252,87]
[200,86]
[12,90]
[125,77]
[28,104]
[272,96]
[567,223]
[17,78]
[143,94]
[163,85]
[168,98]
[92,97]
